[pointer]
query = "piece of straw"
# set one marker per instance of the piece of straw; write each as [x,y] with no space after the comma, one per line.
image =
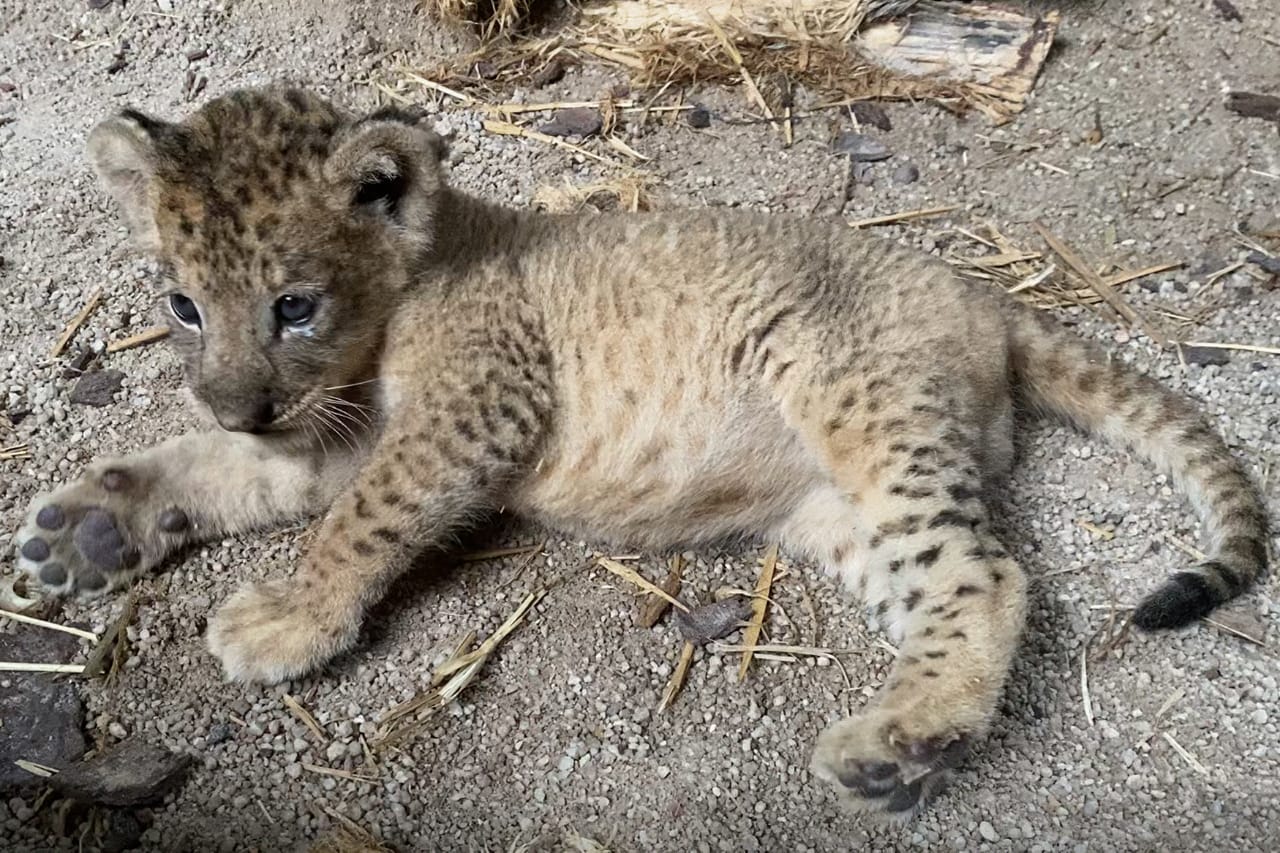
[304,716]
[676,683]
[146,336]
[1186,756]
[90,305]
[904,216]
[632,576]
[52,626]
[12,666]
[1095,282]
[759,604]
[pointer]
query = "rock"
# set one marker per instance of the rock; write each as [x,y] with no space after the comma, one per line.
[860,147]
[987,831]
[907,173]
[710,622]
[552,72]
[219,733]
[123,831]
[40,715]
[1205,355]
[1270,263]
[132,773]
[575,121]
[699,117]
[865,112]
[79,363]
[98,388]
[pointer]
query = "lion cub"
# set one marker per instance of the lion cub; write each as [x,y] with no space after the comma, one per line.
[404,358]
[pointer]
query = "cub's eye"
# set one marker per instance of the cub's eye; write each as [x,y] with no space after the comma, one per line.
[185,310]
[294,310]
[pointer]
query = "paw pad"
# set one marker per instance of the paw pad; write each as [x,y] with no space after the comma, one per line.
[51,517]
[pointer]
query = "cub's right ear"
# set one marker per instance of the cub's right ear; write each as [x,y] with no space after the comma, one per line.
[123,152]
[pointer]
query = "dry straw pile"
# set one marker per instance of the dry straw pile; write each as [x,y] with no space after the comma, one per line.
[961,54]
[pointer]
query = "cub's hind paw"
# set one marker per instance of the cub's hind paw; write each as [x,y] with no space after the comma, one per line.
[269,632]
[875,767]
[94,534]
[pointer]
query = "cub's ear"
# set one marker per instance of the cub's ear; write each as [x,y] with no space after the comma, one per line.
[123,150]
[388,165]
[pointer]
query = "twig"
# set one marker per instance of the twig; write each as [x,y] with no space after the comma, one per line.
[11,666]
[15,451]
[304,717]
[35,769]
[1186,756]
[676,683]
[504,128]
[146,336]
[1108,294]
[632,576]
[340,774]
[1241,347]
[891,218]
[52,626]
[652,607]
[500,553]
[1084,684]
[759,604]
[90,305]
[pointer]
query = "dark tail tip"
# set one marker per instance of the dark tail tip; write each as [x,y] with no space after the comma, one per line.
[1184,598]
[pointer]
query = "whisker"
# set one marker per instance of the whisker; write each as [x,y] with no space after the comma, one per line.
[352,385]
[335,427]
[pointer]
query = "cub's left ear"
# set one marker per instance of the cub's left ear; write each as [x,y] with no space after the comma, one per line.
[388,165]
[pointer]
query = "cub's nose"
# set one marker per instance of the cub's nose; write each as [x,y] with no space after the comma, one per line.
[255,418]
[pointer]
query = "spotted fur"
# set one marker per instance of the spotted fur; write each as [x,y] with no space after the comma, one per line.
[660,380]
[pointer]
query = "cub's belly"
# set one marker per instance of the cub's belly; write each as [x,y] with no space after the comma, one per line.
[660,483]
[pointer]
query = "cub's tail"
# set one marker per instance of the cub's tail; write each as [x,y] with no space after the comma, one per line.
[1078,382]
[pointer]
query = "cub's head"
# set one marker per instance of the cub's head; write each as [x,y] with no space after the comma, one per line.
[287,232]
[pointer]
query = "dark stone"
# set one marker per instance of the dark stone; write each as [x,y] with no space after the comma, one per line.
[41,711]
[907,173]
[710,622]
[575,121]
[132,773]
[1270,263]
[98,388]
[79,363]
[1227,10]
[699,117]
[99,4]
[123,831]
[865,112]
[219,733]
[552,72]
[860,147]
[1206,355]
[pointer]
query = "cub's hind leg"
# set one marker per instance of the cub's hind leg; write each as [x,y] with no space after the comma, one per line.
[929,565]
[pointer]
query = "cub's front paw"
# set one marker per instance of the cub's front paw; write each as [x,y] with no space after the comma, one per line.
[269,632]
[882,762]
[96,533]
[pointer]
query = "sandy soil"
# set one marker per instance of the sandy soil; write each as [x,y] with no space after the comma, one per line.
[558,739]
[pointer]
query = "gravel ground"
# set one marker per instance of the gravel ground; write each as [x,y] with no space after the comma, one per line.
[558,738]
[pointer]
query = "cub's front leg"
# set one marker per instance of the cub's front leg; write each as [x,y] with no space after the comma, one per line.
[447,455]
[126,515]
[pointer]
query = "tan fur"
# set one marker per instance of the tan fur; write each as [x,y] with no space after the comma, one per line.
[655,380]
